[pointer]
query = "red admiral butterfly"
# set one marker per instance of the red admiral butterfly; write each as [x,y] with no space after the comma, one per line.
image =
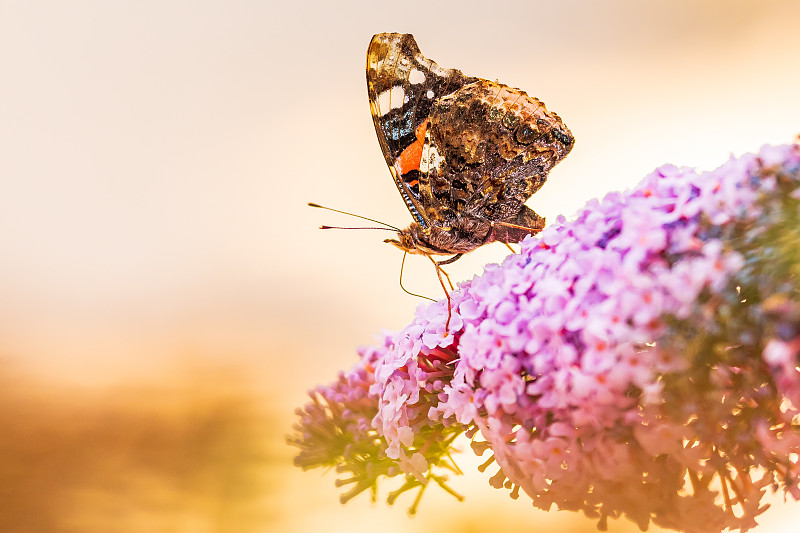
[465,153]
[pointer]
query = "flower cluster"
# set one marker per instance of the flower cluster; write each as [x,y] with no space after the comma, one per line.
[336,430]
[640,360]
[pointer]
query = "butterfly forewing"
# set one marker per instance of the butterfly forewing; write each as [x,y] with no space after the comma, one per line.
[403,86]
[465,153]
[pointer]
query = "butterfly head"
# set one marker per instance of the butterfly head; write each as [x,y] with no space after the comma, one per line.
[413,240]
[426,241]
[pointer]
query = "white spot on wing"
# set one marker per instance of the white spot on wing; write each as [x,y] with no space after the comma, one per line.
[430,157]
[424,162]
[416,76]
[383,102]
[390,99]
[397,97]
[429,94]
[439,71]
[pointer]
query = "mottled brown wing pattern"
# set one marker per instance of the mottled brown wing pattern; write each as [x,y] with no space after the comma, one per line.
[403,87]
[465,153]
[488,148]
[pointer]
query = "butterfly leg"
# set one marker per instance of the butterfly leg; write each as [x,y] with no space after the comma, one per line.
[439,272]
[447,262]
[451,260]
[510,248]
[446,275]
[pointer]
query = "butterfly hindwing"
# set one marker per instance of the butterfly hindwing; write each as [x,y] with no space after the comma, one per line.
[492,147]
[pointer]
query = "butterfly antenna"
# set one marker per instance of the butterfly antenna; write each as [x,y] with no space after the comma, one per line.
[311,204]
[342,227]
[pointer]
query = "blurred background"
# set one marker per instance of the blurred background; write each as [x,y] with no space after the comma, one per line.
[165,296]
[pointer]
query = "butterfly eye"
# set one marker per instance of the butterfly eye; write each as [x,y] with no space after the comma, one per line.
[525,134]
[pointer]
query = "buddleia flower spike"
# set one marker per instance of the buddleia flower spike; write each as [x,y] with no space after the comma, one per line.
[639,360]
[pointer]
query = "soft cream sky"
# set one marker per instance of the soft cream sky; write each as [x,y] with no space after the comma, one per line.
[156,159]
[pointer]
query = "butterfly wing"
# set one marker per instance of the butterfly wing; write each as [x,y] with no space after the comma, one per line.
[403,87]
[488,148]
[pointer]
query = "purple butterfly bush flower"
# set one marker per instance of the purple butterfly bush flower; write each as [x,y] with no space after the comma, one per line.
[640,360]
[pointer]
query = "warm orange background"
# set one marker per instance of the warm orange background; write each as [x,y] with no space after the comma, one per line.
[165,296]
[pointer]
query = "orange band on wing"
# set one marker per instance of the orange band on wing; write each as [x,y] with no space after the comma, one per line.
[421,129]
[410,158]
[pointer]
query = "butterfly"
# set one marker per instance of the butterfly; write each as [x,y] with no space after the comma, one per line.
[465,153]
